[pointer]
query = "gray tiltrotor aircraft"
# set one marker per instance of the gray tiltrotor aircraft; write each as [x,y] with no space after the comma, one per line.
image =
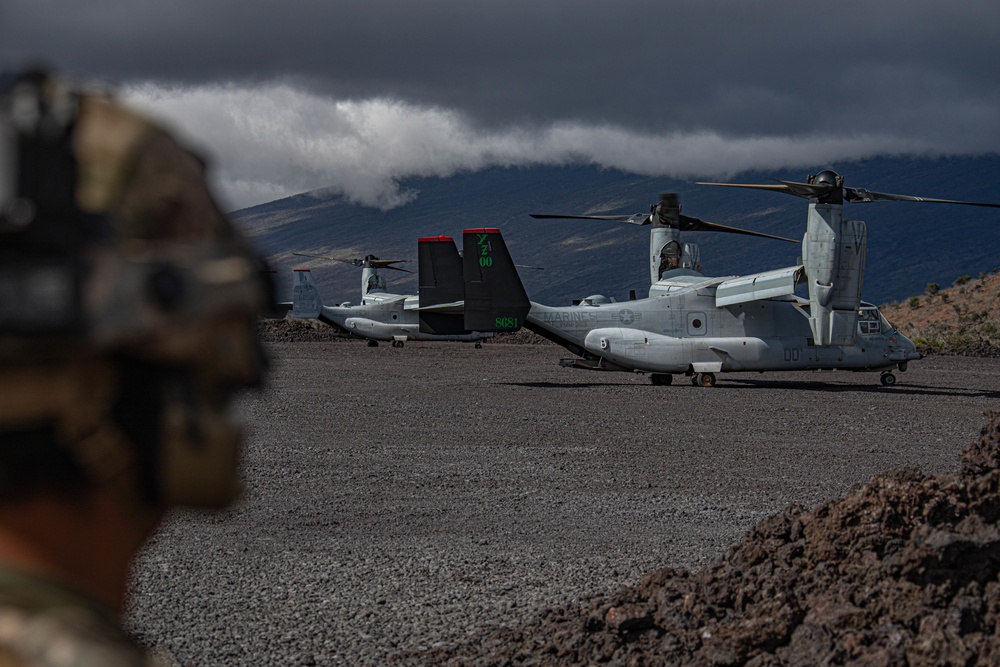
[699,326]
[459,298]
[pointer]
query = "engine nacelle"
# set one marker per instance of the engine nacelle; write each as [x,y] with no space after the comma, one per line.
[833,253]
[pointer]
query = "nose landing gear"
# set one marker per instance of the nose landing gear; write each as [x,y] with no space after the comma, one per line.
[661,379]
[887,379]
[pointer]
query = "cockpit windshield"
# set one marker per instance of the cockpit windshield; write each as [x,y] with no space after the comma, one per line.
[871,321]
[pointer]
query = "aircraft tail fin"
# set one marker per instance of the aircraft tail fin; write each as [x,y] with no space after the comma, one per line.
[495,299]
[441,287]
[306,302]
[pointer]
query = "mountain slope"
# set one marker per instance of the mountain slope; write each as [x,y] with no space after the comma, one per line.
[962,318]
[910,245]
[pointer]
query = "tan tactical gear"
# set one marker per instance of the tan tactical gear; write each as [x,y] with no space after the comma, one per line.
[44,624]
[166,279]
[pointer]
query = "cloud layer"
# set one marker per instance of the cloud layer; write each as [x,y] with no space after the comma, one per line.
[270,141]
[357,94]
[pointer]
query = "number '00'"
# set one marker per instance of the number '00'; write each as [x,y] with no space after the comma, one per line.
[485,261]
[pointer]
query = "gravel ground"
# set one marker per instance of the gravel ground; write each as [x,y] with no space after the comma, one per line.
[407,498]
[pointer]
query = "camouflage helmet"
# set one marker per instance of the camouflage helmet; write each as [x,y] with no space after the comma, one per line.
[114,255]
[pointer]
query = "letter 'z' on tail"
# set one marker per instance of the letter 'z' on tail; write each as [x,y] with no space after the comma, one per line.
[306,303]
[495,299]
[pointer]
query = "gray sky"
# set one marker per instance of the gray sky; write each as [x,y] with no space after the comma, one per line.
[354,95]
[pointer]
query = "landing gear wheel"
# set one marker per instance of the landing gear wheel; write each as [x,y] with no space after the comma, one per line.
[479,345]
[397,343]
[888,379]
[373,343]
[705,379]
[661,379]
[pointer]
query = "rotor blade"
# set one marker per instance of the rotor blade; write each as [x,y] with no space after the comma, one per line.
[635,219]
[525,266]
[334,259]
[805,190]
[374,263]
[388,264]
[858,195]
[695,225]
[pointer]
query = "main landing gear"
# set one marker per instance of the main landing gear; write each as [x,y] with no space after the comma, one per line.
[703,379]
[887,379]
[697,379]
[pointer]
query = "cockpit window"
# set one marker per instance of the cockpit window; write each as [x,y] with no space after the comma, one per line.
[870,321]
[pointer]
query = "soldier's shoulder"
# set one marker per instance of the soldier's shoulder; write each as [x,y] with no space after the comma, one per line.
[64,638]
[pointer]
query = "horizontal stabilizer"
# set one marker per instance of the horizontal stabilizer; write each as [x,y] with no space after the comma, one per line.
[454,308]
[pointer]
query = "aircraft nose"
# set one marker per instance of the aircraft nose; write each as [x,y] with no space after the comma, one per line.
[902,349]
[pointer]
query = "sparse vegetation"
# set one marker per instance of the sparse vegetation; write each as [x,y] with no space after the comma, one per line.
[961,280]
[956,320]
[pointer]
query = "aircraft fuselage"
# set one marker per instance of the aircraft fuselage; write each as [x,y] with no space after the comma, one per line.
[388,317]
[682,330]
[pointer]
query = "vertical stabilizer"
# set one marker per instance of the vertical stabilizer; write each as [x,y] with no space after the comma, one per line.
[495,299]
[440,279]
[305,297]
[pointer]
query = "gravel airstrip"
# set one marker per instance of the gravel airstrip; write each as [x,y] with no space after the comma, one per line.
[406,498]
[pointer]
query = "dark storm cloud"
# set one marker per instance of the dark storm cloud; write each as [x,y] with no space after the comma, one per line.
[738,67]
[750,77]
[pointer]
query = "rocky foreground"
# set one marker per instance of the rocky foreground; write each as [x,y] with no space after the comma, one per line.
[901,571]
[403,504]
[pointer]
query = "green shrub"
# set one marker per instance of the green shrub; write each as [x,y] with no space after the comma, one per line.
[914,302]
[932,289]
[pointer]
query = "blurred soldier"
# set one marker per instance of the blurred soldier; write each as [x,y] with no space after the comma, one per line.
[127,320]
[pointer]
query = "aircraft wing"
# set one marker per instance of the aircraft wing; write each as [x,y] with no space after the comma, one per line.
[759,286]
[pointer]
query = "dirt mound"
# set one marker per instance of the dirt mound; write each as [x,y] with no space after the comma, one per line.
[978,349]
[903,570]
[291,330]
[519,337]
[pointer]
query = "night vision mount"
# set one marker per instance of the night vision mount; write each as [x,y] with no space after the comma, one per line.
[41,227]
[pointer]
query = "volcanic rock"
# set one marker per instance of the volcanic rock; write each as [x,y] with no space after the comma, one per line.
[903,570]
